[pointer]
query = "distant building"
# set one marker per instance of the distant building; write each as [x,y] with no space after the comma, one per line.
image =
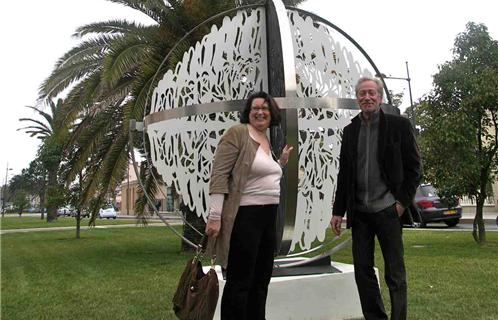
[165,200]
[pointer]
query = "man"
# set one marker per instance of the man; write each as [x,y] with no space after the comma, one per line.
[378,176]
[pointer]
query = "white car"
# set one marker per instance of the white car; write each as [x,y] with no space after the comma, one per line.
[64,211]
[107,212]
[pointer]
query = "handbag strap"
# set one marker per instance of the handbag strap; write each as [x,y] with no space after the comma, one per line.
[201,249]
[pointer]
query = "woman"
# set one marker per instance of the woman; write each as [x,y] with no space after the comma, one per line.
[245,192]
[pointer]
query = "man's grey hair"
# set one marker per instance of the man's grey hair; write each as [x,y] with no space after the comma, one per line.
[380,85]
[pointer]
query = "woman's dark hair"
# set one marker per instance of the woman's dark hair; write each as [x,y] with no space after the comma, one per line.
[272,104]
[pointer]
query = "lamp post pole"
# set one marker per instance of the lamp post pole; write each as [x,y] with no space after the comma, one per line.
[128,190]
[4,188]
[408,79]
[410,92]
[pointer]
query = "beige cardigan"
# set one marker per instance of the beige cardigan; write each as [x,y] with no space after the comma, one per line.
[233,159]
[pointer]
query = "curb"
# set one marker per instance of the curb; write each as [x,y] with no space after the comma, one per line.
[471,220]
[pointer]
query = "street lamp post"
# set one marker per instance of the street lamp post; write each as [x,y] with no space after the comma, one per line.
[4,188]
[128,191]
[408,79]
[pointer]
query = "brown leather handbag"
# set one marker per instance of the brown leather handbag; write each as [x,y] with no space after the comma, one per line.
[197,293]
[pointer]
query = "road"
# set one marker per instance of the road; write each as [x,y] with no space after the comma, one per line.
[466,223]
[458,227]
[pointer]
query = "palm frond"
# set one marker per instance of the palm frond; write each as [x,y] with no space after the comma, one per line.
[92,133]
[110,172]
[81,61]
[41,126]
[112,27]
[123,58]
[83,95]
[62,78]
[141,90]
[150,187]
[35,131]
[91,49]
[116,161]
[88,143]
[48,117]
[90,187]
[155,9]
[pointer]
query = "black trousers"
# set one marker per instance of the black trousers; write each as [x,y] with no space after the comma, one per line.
[387,227]
[250,263]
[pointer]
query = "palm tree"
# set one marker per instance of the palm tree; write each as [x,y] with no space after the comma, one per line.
[40,129]
[111,72]
[53,133]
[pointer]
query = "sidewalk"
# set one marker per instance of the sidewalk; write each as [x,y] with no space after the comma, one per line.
[488,217]
[109,226]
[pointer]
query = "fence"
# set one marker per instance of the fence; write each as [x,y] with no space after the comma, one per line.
[468,201]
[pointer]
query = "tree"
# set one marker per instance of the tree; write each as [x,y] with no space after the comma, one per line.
[74,197]
[459,121]
[397,98]
[36,182]
[19,189]
[20,201]
[53,133]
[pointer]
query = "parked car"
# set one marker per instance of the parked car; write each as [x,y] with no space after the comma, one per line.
[108,211]
[429,207]
[83,214]
[65,211]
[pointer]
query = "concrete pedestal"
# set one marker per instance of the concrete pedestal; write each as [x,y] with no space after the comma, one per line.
[331,296]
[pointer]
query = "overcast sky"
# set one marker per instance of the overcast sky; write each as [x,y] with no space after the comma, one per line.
[36,33]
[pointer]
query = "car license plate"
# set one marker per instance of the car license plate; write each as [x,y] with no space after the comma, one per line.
[448,212]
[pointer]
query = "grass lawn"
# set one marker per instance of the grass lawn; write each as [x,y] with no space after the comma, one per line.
[127,273]
[131,273]
[449,275]
[34,221]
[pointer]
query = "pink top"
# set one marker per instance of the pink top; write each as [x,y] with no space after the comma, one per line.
[262,186]
[263,182]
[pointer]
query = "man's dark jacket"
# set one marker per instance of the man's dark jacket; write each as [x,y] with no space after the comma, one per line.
[398,157]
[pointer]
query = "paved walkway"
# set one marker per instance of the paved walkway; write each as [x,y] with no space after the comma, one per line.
[489,218]
[152,223]
[73,228]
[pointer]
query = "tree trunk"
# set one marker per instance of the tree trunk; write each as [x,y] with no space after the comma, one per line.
[78,223]
[78,209]
[51,194]
[479,231]
[41,195]
[42,204]
[188,232]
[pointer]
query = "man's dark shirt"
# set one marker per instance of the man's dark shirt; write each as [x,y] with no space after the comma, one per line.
[372,194]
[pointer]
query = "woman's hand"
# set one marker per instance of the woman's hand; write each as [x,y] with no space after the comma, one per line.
[284,157]
[213,228]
